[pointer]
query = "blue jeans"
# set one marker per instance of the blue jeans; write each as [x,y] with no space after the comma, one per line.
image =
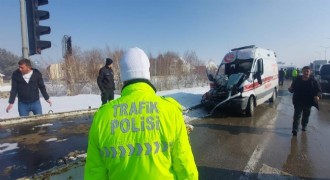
[25,108]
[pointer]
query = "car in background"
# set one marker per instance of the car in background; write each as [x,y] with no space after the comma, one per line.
[324,78]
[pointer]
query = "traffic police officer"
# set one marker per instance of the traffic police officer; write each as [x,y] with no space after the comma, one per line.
[140,135]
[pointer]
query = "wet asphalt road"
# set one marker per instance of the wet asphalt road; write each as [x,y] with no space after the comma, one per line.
[41,145]
[228,146]
[262,147]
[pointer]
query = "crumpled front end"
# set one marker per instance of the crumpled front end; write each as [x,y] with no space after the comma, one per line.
[224,91]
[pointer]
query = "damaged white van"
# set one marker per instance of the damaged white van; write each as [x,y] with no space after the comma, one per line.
[246,78]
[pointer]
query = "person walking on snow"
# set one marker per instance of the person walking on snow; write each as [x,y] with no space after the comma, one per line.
[26,83]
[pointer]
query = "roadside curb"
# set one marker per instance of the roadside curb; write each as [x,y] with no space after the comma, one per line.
[49,116]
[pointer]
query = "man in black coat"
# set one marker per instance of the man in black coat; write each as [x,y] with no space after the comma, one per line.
[106,82]
[306,93]
[25,83]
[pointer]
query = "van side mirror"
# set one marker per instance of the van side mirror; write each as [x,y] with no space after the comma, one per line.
[210,77]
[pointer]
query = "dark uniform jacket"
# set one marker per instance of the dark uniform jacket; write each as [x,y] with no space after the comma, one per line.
[305,91]
[105,79]
[27,92]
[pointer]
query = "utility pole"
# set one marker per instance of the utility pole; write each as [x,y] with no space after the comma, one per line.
[23,30]
[69,64]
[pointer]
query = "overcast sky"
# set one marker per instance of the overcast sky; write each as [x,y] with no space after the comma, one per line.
[298,30]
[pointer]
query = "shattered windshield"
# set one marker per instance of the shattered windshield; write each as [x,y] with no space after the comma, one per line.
[237,66]
[234,79]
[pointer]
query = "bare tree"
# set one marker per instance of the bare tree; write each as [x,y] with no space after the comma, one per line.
[8,63]
[117,54]
[73,68]
[92,61]
[169,68]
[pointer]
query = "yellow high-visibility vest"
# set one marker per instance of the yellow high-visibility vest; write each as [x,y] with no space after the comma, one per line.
[294,73]
[139,136]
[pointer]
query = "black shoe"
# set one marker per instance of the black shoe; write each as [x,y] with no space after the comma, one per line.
[294,133]
[303,128]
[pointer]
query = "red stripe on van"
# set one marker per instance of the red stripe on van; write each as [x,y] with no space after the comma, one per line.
[251,86]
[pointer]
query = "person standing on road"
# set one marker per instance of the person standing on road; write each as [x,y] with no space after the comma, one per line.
[306,93]
[106,82]
[140,135]
[25,83]
[294,73]
[281,75]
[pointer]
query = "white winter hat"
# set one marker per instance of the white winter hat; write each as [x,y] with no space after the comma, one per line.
[134,64]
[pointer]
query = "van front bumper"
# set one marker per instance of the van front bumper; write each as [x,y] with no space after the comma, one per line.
[238,104]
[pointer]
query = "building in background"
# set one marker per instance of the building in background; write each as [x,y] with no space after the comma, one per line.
[55,71]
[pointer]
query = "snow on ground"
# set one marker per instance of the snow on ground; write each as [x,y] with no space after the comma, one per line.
[8,147]
[187,97]
[5,88]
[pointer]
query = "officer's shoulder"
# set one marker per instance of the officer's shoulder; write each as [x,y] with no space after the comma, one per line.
[172,101]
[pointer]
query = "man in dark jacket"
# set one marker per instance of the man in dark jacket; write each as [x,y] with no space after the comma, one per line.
[306,93]
[106,82]
[25,83]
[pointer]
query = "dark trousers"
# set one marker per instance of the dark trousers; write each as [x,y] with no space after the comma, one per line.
[299,110]
[107,95]
[280,81]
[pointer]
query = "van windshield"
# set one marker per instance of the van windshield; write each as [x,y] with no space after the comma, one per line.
[237,66]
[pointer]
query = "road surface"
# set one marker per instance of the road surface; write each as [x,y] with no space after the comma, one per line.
[228,146]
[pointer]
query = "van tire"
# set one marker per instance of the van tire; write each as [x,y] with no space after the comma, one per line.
[274,96]
[249,110]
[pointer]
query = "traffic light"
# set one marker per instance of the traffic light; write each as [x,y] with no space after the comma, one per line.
[34,16]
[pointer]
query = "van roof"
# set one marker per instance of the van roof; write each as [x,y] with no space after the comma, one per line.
[244,47]
[247,52]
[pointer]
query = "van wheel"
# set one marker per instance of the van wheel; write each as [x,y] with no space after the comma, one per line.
[274,96]
[249,110]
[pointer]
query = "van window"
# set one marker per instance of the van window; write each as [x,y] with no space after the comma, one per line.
[325,69]
[260,66]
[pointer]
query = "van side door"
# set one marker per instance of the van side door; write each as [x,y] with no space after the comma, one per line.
[258,80]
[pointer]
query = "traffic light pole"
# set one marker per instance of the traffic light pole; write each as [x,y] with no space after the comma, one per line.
[25,49]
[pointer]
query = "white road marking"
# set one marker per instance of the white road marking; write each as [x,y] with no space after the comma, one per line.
[254,159]
[265,172]
[257,153]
